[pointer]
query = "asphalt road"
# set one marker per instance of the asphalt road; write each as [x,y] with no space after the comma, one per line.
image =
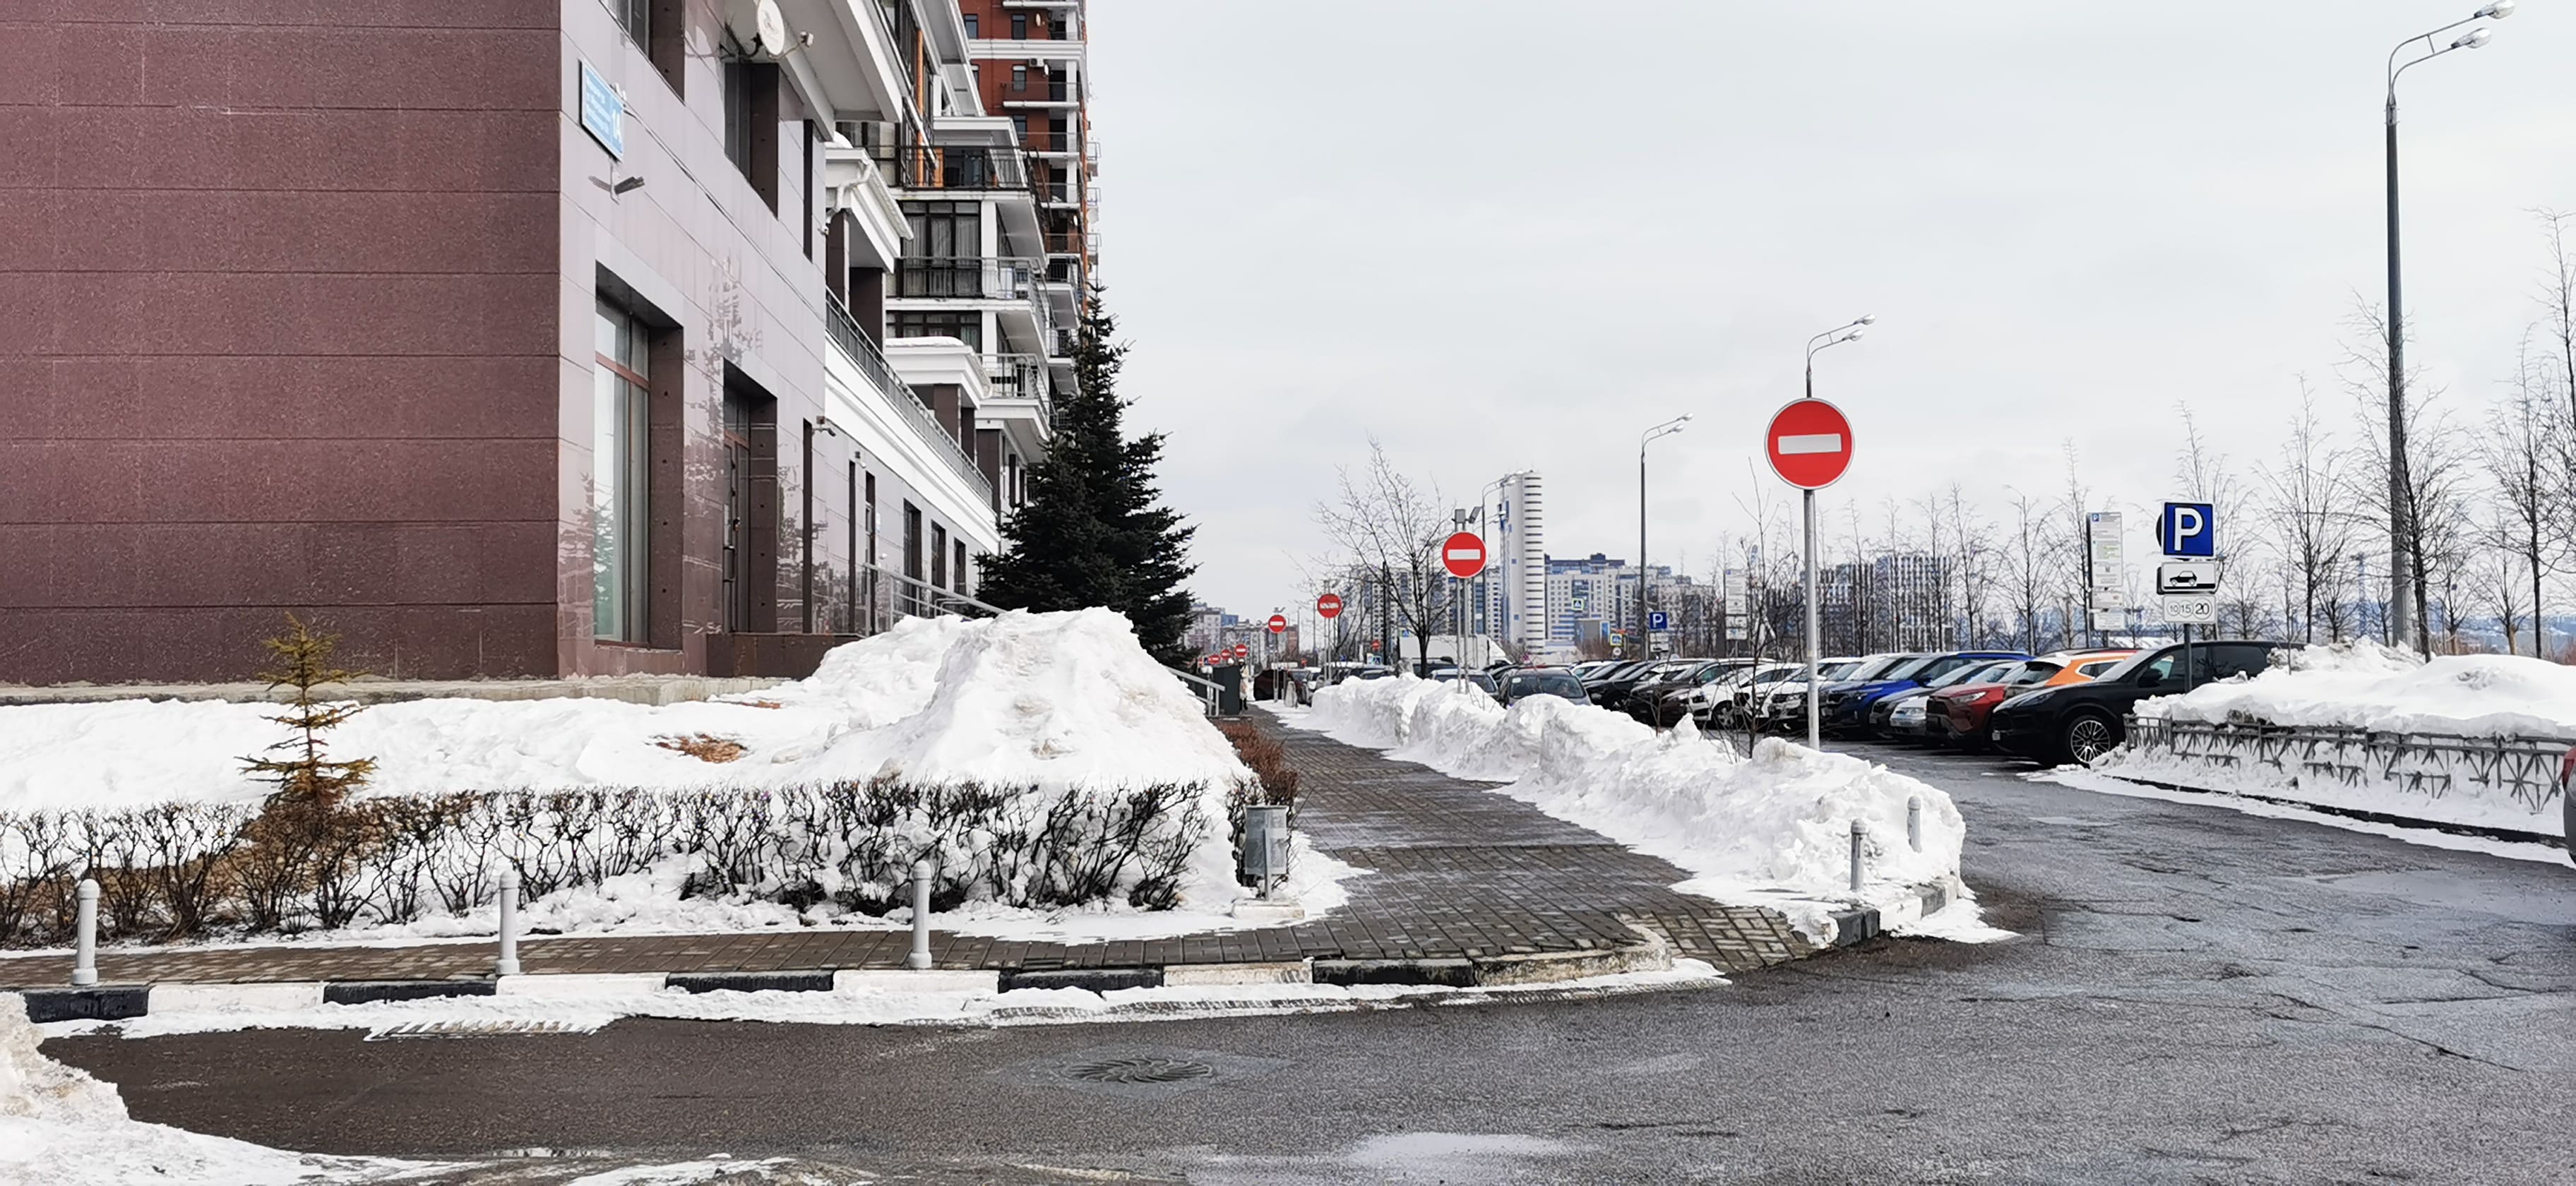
[2198,996]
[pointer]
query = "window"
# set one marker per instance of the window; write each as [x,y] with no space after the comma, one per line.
[805,198]
[938,556]
[1019,26]
[960,569]
[967,327]
[655,27]
[1019,78]
[943,258]
[1020,128]
[912,541]
[620,469]
[972,29]
[751,124]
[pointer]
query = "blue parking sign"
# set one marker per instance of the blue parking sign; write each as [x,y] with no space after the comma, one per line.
[1658,620]
[2188,529]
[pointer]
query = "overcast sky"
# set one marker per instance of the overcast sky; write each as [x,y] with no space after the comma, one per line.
[1506,234]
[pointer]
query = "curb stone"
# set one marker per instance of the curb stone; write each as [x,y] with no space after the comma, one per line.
[806,980]
[367,992]
[1858,925]
[105,1002]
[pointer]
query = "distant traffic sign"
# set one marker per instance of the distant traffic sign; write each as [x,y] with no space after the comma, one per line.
[2188,577]
[1659,621]
[1243,650]
[1278,624]
[1810,444]
[1329,605]
[1463,554]
[2197,609]
[2188,529]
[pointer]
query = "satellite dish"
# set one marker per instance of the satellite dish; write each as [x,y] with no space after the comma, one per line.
[759,26]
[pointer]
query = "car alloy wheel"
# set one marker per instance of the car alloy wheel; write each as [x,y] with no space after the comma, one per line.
[2088,737]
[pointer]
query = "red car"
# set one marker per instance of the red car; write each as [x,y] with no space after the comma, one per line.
[1958,715]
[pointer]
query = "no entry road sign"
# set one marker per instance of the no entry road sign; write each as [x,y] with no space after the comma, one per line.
[1243,650]
[1810,444]
[1464,554]
[1329,605]
[1278,624]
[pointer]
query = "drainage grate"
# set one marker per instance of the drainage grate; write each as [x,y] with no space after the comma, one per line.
[476,1029]
[1141,1070]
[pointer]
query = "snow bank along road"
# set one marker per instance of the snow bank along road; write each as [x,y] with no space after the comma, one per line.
[2198,995]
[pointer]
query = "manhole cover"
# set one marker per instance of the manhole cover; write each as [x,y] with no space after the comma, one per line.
[1141,1070]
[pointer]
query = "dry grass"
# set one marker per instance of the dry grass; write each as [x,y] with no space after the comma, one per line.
[1268,759]
[705,747]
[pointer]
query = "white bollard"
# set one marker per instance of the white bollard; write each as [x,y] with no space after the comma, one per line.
[85,961]
[1914,822]
[509,962]
[1857,834]
[920,957]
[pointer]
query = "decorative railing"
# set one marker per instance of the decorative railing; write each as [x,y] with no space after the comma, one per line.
[2520,769]
[862,353]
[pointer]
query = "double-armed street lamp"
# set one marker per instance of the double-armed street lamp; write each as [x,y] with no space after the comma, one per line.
[2403,613]
[1646,583]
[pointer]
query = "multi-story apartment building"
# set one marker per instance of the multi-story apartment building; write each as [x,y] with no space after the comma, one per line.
[1514,606]
[548,337]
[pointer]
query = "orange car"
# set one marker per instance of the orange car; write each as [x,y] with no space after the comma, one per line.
[1960,712]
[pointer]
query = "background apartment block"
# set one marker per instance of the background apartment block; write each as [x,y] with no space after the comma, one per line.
[521,337]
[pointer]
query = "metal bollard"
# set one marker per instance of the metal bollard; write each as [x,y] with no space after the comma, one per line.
[1914,822]
[85,963]
[920,957]
[509,962]
[1857,834]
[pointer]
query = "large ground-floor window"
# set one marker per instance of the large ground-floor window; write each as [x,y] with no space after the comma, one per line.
[620,469]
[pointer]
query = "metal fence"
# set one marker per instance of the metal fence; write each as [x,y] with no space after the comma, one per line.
[2434,765]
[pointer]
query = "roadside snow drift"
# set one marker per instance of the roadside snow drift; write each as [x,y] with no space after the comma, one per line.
[60,1127]
[1050,700]
[1751,829]
[2367,687]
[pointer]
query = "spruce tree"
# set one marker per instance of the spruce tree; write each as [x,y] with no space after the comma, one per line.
[1093,531]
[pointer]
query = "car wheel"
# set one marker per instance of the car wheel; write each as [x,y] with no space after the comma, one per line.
[2088,736]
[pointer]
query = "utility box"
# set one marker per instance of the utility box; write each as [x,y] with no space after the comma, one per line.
[1264,859]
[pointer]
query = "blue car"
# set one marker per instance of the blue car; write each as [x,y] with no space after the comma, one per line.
[1846,705]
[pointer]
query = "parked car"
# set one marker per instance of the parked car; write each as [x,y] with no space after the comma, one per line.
[1781,706]
[1958,713]
[1847,704]
[2082,722]
[1526,682]
[1906,715]
[1726,702]
[1658,701]
[1612,691]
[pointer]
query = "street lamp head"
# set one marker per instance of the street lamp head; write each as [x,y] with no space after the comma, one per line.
[1870,319]
[2474,39]
[2498,10]
[1854,335]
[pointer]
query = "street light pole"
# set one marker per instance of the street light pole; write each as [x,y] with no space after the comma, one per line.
[1645,581]
[1807,553]
[2406,626]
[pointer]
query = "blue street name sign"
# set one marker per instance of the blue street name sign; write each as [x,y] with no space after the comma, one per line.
[603,114]
[2188,529]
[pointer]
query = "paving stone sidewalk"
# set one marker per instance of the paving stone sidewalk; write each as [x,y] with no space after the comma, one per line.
[1459,872]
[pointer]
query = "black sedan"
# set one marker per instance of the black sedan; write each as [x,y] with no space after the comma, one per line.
[1522,683]
[2082,722]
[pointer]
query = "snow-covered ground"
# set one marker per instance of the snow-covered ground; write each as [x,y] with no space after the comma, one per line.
[1050,700]
[1772,829]
[1060,703]
[2084,779]
[2367,686]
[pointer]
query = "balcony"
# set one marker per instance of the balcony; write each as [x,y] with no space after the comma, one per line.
[854,345]
[1020,376]
[970,167]
[998,279]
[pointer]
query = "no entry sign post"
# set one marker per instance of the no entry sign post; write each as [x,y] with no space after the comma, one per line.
[1463,554]
[1810,445]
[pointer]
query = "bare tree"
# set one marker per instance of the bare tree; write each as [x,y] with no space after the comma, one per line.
[1394,527]
[2076,513]
[2308,517]
[2521,453]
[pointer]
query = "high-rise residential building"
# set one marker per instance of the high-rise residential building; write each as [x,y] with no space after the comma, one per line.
[1515,601]
[562,337]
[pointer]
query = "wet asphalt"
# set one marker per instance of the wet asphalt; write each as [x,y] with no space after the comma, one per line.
[2195,996]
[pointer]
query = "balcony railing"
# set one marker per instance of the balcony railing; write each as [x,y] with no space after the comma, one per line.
[1020,376]
[976,167]
[854,345]
[1000,278]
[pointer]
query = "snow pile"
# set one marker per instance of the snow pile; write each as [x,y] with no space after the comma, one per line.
[1776,823]
[1051,700]
[2365,686]
[61,1127]
[2368,686]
